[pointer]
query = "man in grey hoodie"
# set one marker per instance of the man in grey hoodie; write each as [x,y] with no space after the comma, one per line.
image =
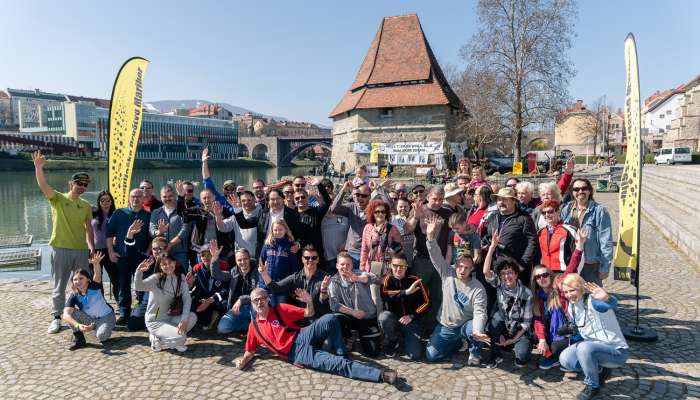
[462,314]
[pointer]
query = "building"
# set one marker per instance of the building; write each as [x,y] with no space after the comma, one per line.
[578,130]
[5,111]
[28,108]
[400,102]
[617,141]
[685,126]
[657,113]
[173,137]
[210,111]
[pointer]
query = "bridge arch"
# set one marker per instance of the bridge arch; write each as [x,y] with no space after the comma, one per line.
[260,152]
[243,150]
[287,159]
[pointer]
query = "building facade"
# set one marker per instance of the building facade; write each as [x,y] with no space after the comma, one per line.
[578,130]
[400,104]
[685,127]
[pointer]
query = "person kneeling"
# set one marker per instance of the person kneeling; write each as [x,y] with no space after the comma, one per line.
[462,315]
[603,346]
[208,293]
[405,300]
[168,315]
[276,328]
[512,316]
[86,309]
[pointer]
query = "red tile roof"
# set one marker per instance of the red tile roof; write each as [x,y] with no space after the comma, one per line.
[4,95]
[399,70]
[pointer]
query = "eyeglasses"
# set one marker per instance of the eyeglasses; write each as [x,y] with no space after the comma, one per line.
[105,200]
[507,272]
[364,196]
[299,185]
[80,183]
[229,189]
[259,300]
[579,189]
[300,198]
[310,258]
[380,211]
[547,212]
[543,275]
[399,266]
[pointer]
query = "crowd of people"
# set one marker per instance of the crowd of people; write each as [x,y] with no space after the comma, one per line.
[308,269]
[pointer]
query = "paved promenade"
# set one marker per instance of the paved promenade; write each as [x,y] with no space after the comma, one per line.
[34,365]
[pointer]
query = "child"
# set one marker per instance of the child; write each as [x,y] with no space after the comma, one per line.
[360,176]
[478,178]
[86,309]
[277,254]
[464,239]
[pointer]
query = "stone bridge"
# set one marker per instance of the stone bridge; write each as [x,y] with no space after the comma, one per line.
[280,150]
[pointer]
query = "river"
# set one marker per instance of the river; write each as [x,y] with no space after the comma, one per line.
[25,210]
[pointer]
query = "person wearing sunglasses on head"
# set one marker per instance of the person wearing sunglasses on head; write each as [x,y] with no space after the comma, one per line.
[462,314]
[312,279]
[72,238]
[586,212]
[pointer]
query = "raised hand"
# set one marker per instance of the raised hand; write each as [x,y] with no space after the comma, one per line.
[347,187]
[596,291]
[583,235]
[217,208]
[414,287]
[262,267]
[313,181]
[96,258]
[205,155]
[134,228]
[180,188]
[302,295]
[326,282]
[569,168]
[215,249]
[433,223]
[146,264]
[372,185]
[233,200]
[39,159]
[494,240]
[162,226]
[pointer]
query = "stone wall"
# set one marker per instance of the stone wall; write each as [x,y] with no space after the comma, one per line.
[685,130]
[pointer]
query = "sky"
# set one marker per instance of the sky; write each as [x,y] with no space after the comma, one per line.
[297,58]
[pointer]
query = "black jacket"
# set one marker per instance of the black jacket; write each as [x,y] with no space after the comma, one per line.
[517,236]
[262,221]
[311,219]
[207,285]
[298,281]
[400,304]
[239,285]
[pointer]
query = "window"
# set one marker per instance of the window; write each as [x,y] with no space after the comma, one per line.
[385,113]
[661,116]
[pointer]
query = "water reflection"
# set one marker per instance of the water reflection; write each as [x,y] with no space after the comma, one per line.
[26,211]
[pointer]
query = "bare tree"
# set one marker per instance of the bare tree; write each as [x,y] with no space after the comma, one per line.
[524,43]
[479,92]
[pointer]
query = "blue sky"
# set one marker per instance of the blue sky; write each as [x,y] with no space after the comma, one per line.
[296,59]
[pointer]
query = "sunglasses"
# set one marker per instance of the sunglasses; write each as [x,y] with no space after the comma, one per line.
[300,198]
[299,184]
[364,196]
[190,190]
[543,275]
[547,212]
[380,211]
[399,266]
[309,258]
[579,189]
[229,189]
[418,191]
[79,183]
[259,300]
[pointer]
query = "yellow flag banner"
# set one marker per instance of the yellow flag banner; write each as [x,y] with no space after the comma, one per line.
[374,153]
[627,250]
[125,127]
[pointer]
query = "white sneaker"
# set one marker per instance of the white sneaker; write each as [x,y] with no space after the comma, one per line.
[54,326]
[181,349]
[155,343]
[473,360]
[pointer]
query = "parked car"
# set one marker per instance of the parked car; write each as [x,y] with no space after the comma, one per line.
[672,155]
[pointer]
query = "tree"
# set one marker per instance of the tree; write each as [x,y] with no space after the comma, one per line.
[524,44]
[479,92]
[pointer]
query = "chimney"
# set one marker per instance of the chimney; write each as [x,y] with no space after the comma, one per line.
[579,104]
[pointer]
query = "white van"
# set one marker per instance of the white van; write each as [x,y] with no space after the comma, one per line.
[672,155]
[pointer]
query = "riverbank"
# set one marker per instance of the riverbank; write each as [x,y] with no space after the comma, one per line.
[23,164]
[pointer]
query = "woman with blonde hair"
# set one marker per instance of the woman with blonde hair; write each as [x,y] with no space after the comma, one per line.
[603,346]
[278,257]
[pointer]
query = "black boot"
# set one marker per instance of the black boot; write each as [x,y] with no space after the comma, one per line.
[604,375]
[588,393]
[78,341]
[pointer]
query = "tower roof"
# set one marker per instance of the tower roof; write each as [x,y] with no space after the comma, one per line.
[399,70]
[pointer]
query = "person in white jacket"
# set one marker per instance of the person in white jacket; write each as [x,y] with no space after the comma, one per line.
[167,319]
[603,346]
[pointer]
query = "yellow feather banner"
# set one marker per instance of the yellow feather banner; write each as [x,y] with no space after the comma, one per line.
[627,250]
[125,115]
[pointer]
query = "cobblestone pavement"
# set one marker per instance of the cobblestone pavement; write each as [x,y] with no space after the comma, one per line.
[34,365]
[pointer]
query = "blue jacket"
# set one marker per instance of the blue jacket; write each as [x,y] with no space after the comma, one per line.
[281,262]
[209,184]
[599,246]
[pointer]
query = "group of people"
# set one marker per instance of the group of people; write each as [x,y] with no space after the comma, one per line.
[308,269]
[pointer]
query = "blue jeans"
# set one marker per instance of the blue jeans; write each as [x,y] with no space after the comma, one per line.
[446,341]
[589,357]
[231,322]
[389,322]
[307,352]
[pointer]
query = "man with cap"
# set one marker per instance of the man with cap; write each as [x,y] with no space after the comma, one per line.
[453,197]
[209,294]
[516,232]
[418,192]
[71,233]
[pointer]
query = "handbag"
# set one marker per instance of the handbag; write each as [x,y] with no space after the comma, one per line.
[379,268]
[176,304]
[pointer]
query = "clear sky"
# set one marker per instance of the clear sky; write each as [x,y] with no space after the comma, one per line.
[297,58]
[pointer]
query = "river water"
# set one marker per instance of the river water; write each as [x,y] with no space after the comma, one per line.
[25,210]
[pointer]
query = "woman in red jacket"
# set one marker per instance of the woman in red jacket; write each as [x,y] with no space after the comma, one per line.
[556,240]
[549,306]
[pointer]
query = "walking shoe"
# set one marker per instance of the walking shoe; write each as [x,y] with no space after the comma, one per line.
[518,363]
[389,376]
[494,362]
[54,326]
[181,349]
[548,363]
[390,349]
[473,360]
[587,393]
[604,375]
[122,320]
[78,341]
[155,343]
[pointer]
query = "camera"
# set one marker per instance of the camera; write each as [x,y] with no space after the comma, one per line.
[568,329]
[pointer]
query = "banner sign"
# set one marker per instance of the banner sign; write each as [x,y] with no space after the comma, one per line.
[361,148]
[408,159]
[125,114]
[627,250]
[411,148]
[517,168]
[372,171]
